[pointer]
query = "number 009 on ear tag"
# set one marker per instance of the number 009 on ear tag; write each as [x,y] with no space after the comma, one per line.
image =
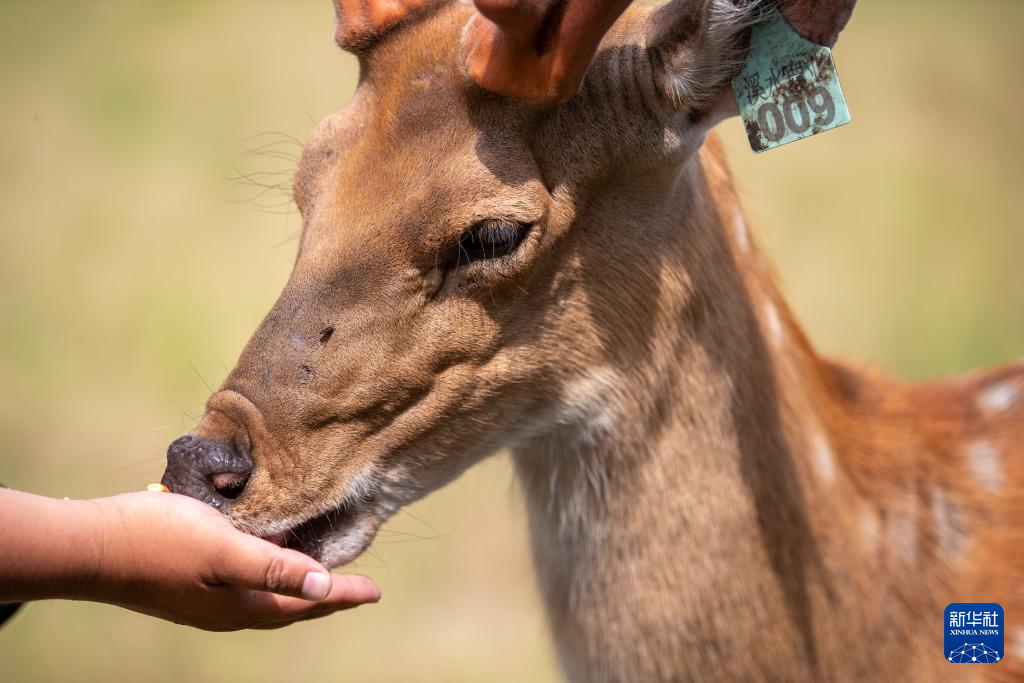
[789,89]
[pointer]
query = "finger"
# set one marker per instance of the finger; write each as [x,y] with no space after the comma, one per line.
[349,590]
[251,562]
[269,610]
[316,613]
[274,625]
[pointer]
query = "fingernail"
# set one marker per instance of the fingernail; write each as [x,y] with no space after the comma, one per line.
[316,586]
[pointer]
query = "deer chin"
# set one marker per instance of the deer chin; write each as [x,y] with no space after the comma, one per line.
[333,538]
[340,534]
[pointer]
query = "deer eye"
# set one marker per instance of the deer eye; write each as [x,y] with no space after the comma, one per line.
[490,239]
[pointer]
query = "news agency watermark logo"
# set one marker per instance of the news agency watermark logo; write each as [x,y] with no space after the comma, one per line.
[974,633]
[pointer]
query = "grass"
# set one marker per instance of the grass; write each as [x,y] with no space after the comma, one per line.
[133,268]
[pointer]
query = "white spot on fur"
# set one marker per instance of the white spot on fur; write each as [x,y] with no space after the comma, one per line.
[740,227]
[824,461]
[948,524]
[587,414]
[983,459]
[999,397]
[902,532]
[1018,642]
[774,322]
[588,405]
[869,529]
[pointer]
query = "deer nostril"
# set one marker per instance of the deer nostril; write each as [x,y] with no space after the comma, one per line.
[229,484]
[212,471]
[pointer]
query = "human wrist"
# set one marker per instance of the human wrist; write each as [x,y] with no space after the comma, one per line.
[77,570]
[109,571]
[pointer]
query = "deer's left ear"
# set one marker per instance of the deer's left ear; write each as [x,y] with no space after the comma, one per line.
[697,47]
[820,21]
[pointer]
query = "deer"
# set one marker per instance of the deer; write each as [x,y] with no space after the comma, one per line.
[575,282]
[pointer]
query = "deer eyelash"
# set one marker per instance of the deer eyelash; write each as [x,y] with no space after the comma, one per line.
[490,239]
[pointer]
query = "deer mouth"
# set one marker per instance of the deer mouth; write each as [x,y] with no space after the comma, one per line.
[332,538]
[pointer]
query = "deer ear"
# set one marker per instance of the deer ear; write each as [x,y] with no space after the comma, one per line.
[698,46]
[820,21]
[361,23]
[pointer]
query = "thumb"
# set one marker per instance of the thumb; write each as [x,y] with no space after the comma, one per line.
[253,563]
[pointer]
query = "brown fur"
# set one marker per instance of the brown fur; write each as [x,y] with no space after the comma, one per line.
[666,426]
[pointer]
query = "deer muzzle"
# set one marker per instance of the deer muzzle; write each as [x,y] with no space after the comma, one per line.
[214,472]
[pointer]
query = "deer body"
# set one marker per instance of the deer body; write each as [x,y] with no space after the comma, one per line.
[708,499]
[731,507]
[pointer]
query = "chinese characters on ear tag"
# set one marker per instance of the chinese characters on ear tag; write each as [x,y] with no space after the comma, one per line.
[789,89]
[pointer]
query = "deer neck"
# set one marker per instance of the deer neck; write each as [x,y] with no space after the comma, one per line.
[700,479]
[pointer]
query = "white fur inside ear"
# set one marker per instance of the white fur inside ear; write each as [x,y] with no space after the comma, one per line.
[700,77]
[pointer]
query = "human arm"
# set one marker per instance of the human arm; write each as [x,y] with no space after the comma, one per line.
[165,555]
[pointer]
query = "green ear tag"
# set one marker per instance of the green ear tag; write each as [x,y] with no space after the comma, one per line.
[788,89]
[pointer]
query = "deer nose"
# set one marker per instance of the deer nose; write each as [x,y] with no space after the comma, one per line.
[214,472]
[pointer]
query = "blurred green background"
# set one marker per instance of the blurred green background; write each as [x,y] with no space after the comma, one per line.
[134,265]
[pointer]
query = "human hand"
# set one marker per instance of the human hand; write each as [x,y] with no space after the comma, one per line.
[165,555]
[175,558]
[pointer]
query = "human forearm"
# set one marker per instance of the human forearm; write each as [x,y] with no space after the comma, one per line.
[51,548]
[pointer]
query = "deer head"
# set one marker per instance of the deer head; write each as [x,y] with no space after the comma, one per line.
[467,259]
